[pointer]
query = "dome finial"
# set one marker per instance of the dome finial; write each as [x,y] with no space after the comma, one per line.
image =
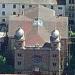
[19,33]
[55,33]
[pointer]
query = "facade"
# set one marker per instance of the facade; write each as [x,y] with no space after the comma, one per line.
[42,60]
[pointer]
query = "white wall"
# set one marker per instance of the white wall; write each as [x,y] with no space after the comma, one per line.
[58,11]
[9,10]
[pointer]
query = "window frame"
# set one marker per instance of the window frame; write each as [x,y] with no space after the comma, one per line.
[19,63]
[71,2]
[14,13]
[3,13]
[52,7]
[23,6]
[3,5]
[3,20]
[14,6]
[30,6]
[19,54]
[60,8]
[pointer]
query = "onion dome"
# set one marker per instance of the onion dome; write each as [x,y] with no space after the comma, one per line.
[55,34]
[19,33]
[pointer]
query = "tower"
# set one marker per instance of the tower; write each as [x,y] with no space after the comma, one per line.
[55,40]
[55,52]
[19,48]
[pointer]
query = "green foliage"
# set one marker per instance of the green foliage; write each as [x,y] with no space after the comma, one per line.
[71,33]
[72,52]
[2,60]
[4,67]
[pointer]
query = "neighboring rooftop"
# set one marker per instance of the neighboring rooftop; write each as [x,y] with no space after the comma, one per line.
[30,1]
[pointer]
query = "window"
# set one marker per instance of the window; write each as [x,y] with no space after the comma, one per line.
[71,15]
[23,6]
[54,73]
[36,18]
[3,27]
[19,44]
[45,5]
[54,55]
[71,8]
[51,7]
[14,6]
[71,1]
[19,54]
[71,21]
[60,8]
[3,20]
[30,5]
[60,14]
[55,44]
[3,5]
[3,12]
[19,72]
[14,13]
[54,64]
[19,62]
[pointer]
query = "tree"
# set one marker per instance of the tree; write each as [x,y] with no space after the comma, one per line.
[71,33]
[71,66]
[5,67]
[2,60]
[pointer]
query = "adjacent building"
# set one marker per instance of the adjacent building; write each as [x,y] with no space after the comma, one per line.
[17,7]
[70,12]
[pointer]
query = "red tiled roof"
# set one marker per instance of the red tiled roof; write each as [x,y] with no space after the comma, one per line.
[31,34]
[34,40]
[27,25]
